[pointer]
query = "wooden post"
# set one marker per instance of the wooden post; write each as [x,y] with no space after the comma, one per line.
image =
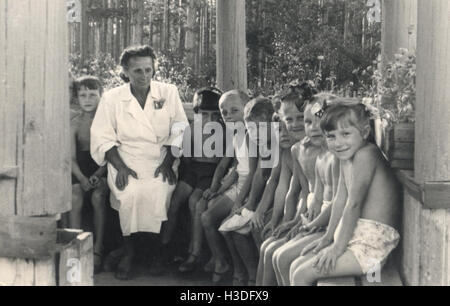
[231,45]
[35,132]
[399,27]
[84,30]
[432,152]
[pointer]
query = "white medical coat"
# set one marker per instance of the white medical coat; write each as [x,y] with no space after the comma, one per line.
[140,136]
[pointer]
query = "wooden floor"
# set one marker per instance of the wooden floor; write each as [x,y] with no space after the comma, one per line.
[171,278]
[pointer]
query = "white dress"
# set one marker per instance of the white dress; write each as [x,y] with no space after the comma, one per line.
[140,136]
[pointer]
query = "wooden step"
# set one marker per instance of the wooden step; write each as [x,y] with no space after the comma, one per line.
[389,276]
[337,281]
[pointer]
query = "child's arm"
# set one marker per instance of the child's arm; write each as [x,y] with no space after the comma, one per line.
[101,171]
[299,184]
[84,181]
[363,170]
[267,200]
[335,174]
[253,164]
[219,173]
[317,201]
[281,192]
[337,207]
[228,181]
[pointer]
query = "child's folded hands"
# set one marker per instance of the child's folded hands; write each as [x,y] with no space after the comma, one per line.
[86,184]
[94,180]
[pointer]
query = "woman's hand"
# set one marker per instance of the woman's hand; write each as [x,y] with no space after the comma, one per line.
[317,245]
[122,177]
[167,173]
[325,261]
[86,184]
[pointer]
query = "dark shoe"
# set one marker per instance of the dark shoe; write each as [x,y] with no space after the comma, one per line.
[124,269]
[219,277]
[98,258]
[123,274]
[239,280]
[112,260]
[157,268]
[188,266]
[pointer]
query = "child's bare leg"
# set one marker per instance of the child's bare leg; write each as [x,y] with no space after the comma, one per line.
[179,197]
[256,234]
[262,250]
[307,275]
[247,250]
[196,228]
[239,271]
[219,209]
[98,200]
[269,272]
[77,205]
[285,255]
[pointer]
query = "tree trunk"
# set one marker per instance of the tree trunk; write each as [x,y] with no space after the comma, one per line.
[139,23]
[166,26]
[84,30]
[231,45]
[151,27]
[181,32]
[190,35]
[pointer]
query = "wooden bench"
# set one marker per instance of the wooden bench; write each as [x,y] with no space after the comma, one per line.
[389,277]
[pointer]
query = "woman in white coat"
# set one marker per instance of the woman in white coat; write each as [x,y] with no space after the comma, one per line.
[137,131]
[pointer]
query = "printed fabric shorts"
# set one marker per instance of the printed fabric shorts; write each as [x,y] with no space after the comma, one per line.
[372,242]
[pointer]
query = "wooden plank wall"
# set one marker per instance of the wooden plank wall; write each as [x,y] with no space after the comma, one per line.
[432,162]
[34,112]
[110,34]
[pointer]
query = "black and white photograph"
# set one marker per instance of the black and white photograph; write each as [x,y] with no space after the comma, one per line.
[224,148]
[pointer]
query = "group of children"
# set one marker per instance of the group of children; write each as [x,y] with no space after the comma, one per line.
[326,206]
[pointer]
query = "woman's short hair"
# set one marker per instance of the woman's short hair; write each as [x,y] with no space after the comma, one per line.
[207,99]
[89,82]
[136,51]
